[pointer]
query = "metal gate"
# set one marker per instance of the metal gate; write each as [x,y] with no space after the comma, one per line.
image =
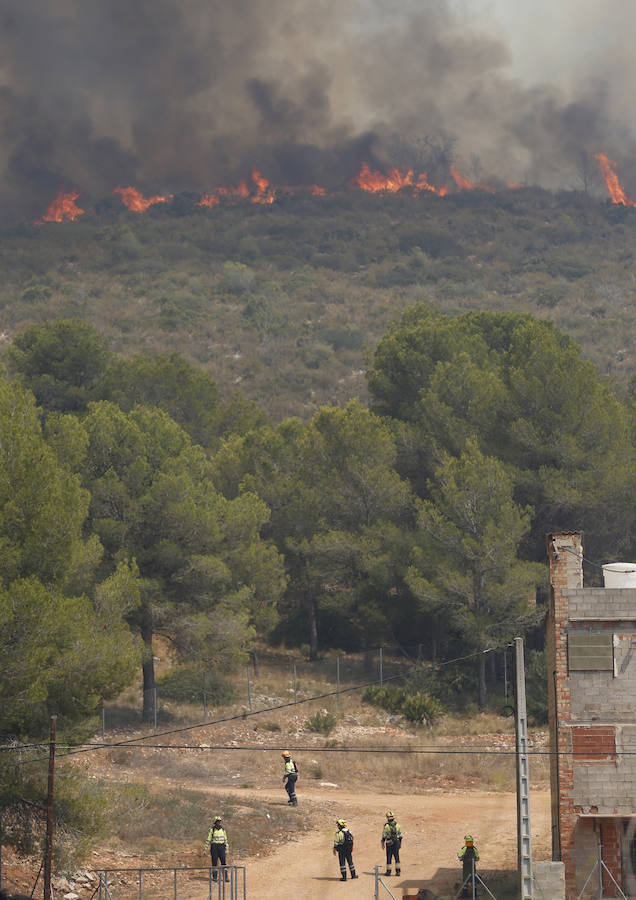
[178,883]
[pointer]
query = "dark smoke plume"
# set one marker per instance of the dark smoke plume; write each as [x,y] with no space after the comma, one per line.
[173,95]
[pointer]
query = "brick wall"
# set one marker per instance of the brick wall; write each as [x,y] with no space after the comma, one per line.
[565,553]
[592,719]
[593,743]
[611,844]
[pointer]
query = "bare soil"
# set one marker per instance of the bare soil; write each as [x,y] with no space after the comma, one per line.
[434,826]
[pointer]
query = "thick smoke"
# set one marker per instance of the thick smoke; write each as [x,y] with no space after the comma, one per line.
[174,95]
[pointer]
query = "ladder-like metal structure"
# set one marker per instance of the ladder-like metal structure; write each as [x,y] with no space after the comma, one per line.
[523,779]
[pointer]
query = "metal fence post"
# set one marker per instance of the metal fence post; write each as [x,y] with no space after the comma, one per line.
[205,699]
[141,893]
[249,689]
[103,722]
[295,695]
[154,704]
[380,666]
[338,681]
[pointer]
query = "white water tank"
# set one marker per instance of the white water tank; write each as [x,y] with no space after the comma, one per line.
[620,575]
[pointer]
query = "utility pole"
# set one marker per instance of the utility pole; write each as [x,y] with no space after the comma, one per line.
[524,834]
[50,821]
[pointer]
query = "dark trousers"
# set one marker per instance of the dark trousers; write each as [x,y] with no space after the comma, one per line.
[467,881]
[393,852]
[290,787]
[217,852]
[344,858]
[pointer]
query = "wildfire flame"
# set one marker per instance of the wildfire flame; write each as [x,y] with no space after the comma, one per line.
[375,182]
[465,185]
[393,180]
[264,193]
[259,190]
[135,200]
[62,209]
[616,192]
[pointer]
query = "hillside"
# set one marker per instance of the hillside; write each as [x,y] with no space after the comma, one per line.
[284,300]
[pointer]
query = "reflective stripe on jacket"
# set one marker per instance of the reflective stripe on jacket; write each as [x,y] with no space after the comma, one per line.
[339,839]
[217,836]
[391,833]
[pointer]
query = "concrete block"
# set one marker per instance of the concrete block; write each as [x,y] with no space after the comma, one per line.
[549,880]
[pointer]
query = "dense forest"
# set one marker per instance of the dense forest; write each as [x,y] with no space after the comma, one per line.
[332,422]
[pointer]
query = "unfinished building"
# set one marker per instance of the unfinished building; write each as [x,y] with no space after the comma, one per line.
[591,660]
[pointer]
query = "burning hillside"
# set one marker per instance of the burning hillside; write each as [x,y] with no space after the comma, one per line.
[240,101]
[259,190]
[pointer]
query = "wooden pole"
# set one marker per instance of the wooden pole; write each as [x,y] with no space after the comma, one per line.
[50,819]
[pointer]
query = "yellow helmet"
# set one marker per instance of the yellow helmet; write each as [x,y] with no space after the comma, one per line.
[285,753]
[390,815]
[217,819]
[468,838]
[341,823]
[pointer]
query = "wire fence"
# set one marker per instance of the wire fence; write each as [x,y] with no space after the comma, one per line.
[264,683]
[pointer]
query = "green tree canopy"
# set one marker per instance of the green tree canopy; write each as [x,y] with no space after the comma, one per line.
[519,387]
[332,490]
[466,573]
[188,394]
[61,362]
[206,574]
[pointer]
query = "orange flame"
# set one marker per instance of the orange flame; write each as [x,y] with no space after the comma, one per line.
[62,209]
[465,185]
[211,199]
[616,192]
[423,184]
[318,191]
[376,182]
[393,180]
[264,193]
[135,200]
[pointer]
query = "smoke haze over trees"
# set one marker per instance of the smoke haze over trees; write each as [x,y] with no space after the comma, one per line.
[188,95]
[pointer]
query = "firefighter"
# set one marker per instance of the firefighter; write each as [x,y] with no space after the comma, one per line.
[391,842]
[469,856]
[290,777]
[343,846]
[216,842]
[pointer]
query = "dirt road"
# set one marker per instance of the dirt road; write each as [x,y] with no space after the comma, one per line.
[434,826]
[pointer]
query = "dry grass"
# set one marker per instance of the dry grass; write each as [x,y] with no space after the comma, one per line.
[463,751]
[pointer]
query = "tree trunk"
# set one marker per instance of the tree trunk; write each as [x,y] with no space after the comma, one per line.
[148,665]
[313,631]
[482,682]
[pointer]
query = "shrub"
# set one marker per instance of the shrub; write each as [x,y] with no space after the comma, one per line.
[186,684]
[415,706]
[322,722]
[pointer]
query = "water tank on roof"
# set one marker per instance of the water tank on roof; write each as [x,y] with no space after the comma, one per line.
[620,575]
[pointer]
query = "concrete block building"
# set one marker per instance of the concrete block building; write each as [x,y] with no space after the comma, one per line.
[591,660]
